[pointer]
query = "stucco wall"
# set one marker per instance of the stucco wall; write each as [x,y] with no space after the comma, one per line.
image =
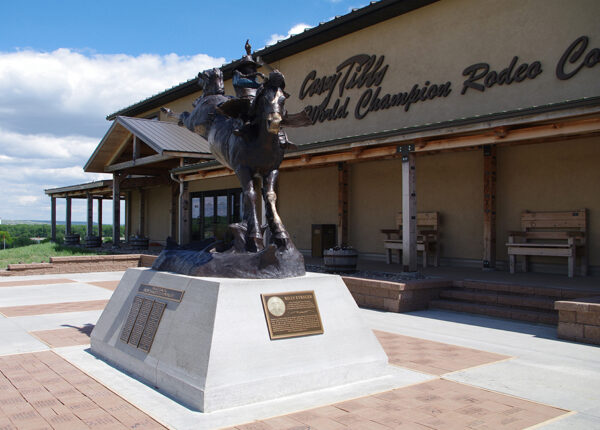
[158,204]
[437,43]
[558,176]
[307,197]
[449,183]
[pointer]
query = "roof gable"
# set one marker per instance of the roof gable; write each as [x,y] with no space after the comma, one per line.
[156,141]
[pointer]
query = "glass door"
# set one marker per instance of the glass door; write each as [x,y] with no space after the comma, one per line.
[213,211]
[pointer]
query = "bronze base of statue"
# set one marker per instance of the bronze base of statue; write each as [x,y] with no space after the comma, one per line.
[269,263]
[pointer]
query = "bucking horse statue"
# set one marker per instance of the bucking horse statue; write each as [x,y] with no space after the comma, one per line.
[246,135]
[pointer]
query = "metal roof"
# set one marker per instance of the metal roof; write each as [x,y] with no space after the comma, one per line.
[165,138]
[375,12]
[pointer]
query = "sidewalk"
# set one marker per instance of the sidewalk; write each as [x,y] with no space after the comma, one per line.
[447,371]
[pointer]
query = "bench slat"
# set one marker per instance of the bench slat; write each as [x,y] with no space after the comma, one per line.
[556,252]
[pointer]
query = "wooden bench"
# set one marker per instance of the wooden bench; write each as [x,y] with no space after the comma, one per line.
[427,237]
[557,234]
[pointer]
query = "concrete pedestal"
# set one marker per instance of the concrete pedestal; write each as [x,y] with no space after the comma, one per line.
[212,350]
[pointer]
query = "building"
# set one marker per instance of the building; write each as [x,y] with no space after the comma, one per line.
[475,110]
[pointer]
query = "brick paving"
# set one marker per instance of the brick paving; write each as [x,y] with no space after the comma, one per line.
[69,336]
[53,308]
[35,282]
[431,357]
[43,391]
[109,285]
[437,404]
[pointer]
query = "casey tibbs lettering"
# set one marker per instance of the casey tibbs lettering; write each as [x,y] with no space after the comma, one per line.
[361,71]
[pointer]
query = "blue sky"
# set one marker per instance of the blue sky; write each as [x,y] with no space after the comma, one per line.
[65,65]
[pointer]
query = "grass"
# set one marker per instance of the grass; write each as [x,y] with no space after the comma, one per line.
[38,253]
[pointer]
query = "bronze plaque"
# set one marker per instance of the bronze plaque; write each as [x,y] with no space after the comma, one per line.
[133,313]
[140,322]
[292,314]
[151,326]
[162,292]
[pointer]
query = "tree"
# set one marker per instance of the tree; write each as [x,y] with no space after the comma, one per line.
[5,239]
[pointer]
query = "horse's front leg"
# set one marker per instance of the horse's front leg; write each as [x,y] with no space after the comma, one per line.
[279,233]
[253,236]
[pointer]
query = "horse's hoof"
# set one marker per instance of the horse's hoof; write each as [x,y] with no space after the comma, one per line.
[282,243]
[254,244]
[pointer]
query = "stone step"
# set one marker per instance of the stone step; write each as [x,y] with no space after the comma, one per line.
[535,316]
[499,298]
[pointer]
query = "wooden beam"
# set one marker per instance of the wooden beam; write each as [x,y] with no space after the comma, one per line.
[555,130]
[342,204]
[136,148]
[489,206]
[139,162]
[409,212]
[119,150]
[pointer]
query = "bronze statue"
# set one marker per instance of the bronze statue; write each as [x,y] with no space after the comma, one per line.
[245,134]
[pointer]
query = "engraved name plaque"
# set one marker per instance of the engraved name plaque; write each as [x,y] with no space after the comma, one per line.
[161,292]
[142,322]
[151,326]
[292,314]
[133,313]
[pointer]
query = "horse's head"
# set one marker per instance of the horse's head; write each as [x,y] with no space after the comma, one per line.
[270,101]
[212,81]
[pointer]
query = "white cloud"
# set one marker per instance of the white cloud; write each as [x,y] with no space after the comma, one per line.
[52,115]
[296,29]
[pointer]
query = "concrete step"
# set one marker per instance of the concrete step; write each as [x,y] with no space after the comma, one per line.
[535,316]
[499,298]
[556,293]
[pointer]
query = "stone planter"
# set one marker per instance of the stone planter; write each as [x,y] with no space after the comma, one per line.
[92,242]
[71,239]
[136,242]
[340,260]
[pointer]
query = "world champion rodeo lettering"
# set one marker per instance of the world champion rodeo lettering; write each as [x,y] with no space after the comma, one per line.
[361,71]
[368,72]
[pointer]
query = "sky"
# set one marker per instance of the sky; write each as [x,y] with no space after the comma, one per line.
[65,65]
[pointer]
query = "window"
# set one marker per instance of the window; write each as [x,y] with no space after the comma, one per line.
[213,211]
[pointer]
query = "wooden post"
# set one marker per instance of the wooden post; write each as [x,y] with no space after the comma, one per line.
[128,216]
[489,207]
[90,215]
[142,214]
[53,219]
[173,211]
[136,148]
[342,204]
[100,218]
[409,210]
[184,216]
[68,217]
[116,197]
